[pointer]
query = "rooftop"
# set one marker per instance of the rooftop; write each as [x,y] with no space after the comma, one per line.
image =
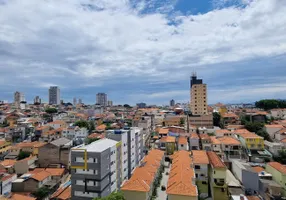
[226,140]
[98,146]
[182,140]
[215,161]
[200,157]
[279,167]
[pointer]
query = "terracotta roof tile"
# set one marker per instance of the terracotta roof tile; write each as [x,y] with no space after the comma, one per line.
[204,136]
[249,135]
[181,175]
[215,161]
[200,157]
[194,135]
[226,140]
[252,198]
[7,163]
[41,175]
[55,171]
[62,193]
[279,167]
[258,169]
[163,131]
[214,140]
[229,115]
[95,136]
[101,127]
[182,140]
[274,126]
[21,197]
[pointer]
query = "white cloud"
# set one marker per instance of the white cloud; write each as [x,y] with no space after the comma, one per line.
[69,43]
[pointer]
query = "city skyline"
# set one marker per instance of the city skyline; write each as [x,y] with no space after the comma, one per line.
[147,52]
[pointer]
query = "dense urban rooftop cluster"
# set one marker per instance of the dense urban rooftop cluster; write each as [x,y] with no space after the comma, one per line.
[191,151]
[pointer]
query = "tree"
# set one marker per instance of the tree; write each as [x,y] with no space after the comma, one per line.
[51,110]
[82,123]
[216,119]
[112,196]
[91,126]
[126,106]
[254,126]
[268,104]
[4,124]
[182,121]
[23,154]
[264,134]
[42,192]
[281,158]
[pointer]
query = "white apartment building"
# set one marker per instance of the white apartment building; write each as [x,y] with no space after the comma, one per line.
[101,99]
[75,132]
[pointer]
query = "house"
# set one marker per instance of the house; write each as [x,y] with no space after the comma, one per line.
[163,132]
[205,142]
[230,119]
[57,124]
[251,141]
[278,113]
[172,120]
[271,129]
[231,147]
[75,132]
[41,129]
[50,135]
[194,141]
[96,136]
[280,135]
[31,182]
[273,147]
[6,183]
[58,175]
[201,162]
[223,132]
[31,147]
[168,144]
[278,172]
[23,166]
[56,152]
[8,165]
[182,143]
[217,177]
[182,182]
[62,193]
[140,185]
[216,145]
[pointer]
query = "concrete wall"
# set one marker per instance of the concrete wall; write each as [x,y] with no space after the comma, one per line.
[250,180]
[181,197]
[48,154]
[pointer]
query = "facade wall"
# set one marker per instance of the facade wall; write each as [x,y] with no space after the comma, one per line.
[250,180]
[181,197]
[194,144]
[199,99]
[278,177]
[49,154]
[132,195]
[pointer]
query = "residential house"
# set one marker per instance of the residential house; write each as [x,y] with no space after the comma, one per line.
[231,147]
[223,132]
[168,144]
[201,162]
[7,165]
[57,124]
[182,143]
[280,135]
[163,132]
[140,185]
[62,193]
[31,182]
[95,169]
[24,165]
[278,172]
[230,119]
[216,146]
[172,120]
[205,142]
[75,132]
[6,183]
[217,177]
[194,141]
[271,129]
[58,175]
[182,182]
[54,153]
[278,113]
[251,141]
[202,121]
[50,135]
[273,147]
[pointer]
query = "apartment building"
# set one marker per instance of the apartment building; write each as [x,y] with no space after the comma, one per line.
[140,185]
[202,121]
[273,147]
[134,145]
[182,181]
[231,147]
[278,172]
[75,132]
[198,96]
[95,169]
[201,162]
[6,183]
[101,99]
[54,95]
[217,177]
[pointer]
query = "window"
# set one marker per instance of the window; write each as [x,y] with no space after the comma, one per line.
[182,145]
[214,171]
[196,175]
[204,182]
[197,167]
[226,146]
[202,175]
[95,160]
[96,172]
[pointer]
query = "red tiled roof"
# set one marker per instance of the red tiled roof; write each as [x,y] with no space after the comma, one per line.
[215,161]
[279,167]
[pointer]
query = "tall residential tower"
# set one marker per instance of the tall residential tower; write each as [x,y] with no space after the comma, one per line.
[198,92]
[101,99]
[54,95]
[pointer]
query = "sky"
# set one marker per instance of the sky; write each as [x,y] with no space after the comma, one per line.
[143,50]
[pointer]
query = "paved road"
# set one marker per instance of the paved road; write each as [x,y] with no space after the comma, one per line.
[162,195]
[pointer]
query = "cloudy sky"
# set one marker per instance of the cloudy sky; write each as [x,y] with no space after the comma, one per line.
[143,50]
